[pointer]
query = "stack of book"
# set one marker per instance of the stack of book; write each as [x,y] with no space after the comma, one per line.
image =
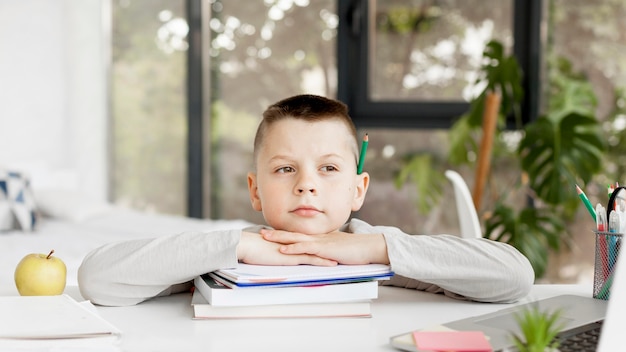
[256,291]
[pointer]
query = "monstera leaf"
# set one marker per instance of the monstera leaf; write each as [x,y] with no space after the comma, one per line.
[565,146]
[557,153]
[502,74]
[532,231]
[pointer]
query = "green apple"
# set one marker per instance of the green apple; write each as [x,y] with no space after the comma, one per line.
[40,275]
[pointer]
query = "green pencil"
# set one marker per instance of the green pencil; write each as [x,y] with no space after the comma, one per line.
[359,168]
[586,202]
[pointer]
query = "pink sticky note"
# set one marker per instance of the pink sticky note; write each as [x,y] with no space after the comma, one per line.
[458,341]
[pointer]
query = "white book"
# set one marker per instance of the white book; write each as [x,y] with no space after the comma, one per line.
[50,317]
[218,294]
[250,275]
[203,310]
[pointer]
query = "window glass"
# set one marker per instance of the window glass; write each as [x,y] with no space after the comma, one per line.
[424,50]
[148,161]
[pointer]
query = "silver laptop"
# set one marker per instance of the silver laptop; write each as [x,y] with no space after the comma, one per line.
[578,313]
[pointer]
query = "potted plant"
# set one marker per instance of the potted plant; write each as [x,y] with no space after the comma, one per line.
[562,147]
[538,330]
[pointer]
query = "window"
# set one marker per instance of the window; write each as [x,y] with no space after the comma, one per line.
[190,80]
[149,123]
[411,63]
[173,144]
[255,52]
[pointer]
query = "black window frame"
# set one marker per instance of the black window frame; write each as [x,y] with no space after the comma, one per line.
[195,111]
[352,67]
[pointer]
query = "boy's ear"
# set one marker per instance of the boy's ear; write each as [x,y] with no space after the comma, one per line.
[254,192]
[363,182]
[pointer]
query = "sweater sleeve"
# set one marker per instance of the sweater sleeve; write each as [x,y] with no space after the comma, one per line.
[475,269]
[127,273]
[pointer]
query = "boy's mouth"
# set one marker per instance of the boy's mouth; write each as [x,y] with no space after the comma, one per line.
[306,211]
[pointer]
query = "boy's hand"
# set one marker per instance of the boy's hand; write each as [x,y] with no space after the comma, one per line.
[341,247]
[253,249]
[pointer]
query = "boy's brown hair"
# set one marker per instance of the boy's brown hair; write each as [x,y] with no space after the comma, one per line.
[307,107]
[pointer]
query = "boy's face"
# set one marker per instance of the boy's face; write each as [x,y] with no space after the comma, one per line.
[306,178]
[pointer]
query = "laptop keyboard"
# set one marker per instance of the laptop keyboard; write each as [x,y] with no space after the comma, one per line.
[581,340]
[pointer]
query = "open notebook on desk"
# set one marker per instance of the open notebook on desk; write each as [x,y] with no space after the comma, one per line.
[53,323]
[579,314]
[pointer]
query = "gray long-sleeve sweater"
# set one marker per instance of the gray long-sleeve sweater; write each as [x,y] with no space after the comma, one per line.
[127,273]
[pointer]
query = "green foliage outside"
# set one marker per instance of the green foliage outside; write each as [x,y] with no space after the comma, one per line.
[148,110]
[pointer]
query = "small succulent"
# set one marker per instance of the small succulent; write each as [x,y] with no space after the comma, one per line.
[538,330]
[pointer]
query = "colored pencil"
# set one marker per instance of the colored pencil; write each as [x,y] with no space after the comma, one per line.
[586,202]
[359,168]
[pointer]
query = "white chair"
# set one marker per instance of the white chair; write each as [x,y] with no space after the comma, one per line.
[468,218]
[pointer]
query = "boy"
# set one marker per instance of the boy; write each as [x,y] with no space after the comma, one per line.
[306,185]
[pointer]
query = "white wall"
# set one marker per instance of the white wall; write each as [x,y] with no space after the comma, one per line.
[53,92]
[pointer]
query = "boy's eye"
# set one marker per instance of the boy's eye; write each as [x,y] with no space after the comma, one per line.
[285,169]
[328,168]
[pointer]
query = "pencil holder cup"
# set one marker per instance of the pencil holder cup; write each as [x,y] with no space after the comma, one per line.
[608,246]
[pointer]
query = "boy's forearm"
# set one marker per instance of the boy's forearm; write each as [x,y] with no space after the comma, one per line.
[476,269]
[380,254]
[130,272]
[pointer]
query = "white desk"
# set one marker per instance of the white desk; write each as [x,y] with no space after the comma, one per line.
[165,324]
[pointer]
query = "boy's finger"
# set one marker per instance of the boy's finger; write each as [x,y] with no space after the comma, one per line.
[295,248]
[282,236]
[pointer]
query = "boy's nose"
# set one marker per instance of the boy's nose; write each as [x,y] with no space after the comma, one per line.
[306,184]
[305,190]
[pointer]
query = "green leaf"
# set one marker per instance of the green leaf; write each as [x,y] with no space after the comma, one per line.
[501,74]
[538,329]
[504,75]
[461,141]
[556,153]
[532,231]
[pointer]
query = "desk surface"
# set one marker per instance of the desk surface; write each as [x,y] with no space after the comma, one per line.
[165,324]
